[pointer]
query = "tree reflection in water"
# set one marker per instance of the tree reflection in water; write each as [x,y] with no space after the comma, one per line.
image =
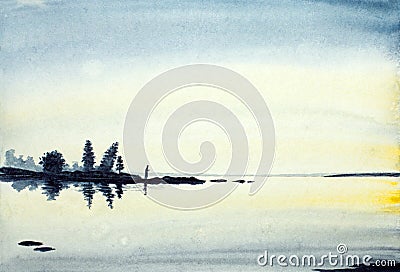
[52,189]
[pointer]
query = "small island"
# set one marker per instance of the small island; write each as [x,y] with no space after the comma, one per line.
[52,175]
[52,166]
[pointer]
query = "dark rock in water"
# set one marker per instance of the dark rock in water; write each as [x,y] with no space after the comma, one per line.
[183,180]
[239,181]
[44,249]
[218,180]
[30,243]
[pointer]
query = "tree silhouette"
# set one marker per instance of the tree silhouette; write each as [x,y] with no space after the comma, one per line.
[75,166]
[106,190]
[88,192]
[51,189]
[107,162]
[20,185]
[88,157]
[120,164]
[119,190]
[11,160]
[30,163]
[52,162]
[20,161]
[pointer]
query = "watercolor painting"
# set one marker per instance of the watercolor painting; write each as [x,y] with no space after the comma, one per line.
[199,135]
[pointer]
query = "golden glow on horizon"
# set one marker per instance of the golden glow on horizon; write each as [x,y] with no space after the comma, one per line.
[278,193]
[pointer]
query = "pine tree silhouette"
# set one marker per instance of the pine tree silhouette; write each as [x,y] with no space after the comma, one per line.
[107,162]
[88,157]
[120,164]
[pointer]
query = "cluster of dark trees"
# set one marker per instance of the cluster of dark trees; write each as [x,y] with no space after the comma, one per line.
[106,163]
[19,162]
[53,162]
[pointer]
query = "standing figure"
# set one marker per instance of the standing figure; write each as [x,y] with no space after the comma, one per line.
[146,175]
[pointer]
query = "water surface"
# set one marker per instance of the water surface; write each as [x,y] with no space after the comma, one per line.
[125,231]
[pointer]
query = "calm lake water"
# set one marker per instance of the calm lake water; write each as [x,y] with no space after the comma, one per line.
[288,216]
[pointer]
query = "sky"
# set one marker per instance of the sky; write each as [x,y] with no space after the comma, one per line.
[328,71]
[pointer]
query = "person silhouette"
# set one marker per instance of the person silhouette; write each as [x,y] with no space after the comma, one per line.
[146,175]
[146,172]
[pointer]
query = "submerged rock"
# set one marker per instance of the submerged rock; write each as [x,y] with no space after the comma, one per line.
[44,249]
[183,180]
[218,180]
[30,243]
